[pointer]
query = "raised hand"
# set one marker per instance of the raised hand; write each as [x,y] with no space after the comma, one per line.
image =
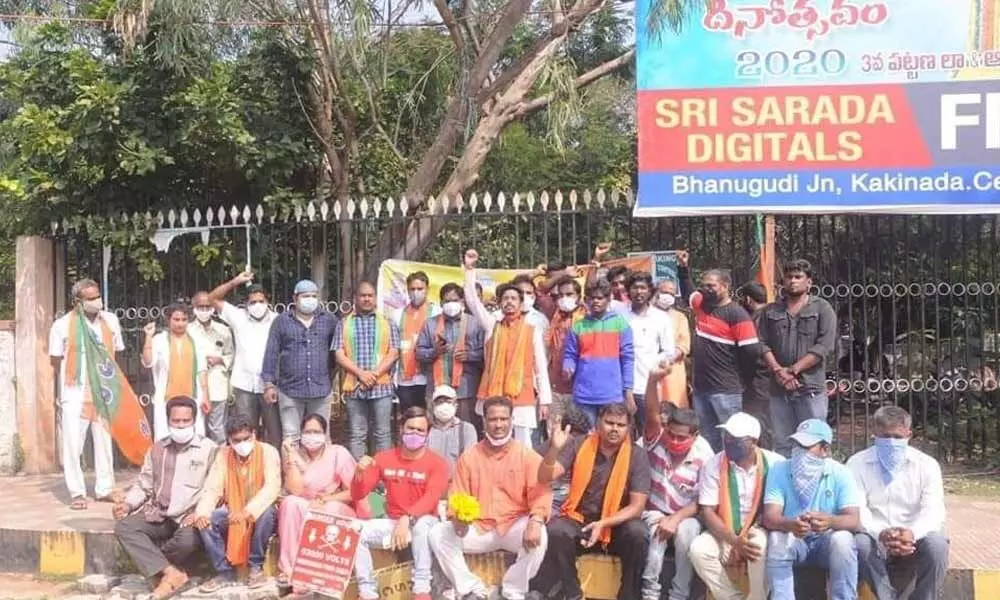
[470,259]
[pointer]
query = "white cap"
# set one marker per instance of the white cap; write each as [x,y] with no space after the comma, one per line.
[444,391]
[742,425]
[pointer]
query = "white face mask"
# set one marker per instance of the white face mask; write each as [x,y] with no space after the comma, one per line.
[502,441]
[445,411]
[665,301]
[257,310]
[313,441]
[528,304]
[452,309]
[496,314]
[307,305]
[182,435]
[204,315]
[92,307]
[568,304]
[417,297]
[243,448]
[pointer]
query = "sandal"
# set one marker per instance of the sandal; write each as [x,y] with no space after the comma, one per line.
[170,584]
[282,580]
[78,503]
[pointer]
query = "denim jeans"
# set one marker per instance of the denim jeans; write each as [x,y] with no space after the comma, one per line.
[361,412]
[680,586]
[214,539]
[929,563]
[590,411]
[788,411]
[834,551]
[714,410]
[293,410]
[265,417]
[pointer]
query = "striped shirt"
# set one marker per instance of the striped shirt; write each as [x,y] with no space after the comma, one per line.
[725,338]
[599,354]
[675,486]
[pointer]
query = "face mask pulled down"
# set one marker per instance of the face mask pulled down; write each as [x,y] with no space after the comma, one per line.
[500,442]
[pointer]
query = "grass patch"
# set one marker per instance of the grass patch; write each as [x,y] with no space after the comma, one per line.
[983,484]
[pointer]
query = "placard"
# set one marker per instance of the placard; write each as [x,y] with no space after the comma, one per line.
[325,560]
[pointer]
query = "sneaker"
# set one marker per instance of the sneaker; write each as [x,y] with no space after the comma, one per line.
[257,578]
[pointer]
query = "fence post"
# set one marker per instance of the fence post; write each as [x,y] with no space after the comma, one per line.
[33,316]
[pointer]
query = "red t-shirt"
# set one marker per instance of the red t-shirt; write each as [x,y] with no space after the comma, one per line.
[412,487]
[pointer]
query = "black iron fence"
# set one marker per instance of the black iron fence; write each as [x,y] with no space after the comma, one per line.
[916,296]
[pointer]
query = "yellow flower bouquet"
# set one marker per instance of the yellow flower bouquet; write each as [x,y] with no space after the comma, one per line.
[464,507]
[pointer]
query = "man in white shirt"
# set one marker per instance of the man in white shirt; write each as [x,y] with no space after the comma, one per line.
[251,327]
[216,341]
[903,519]
[76,405]
[734,536]
[652,338]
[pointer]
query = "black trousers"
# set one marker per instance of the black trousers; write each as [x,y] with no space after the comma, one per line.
[155,546]
[265,417]
[411,395]
[558,576]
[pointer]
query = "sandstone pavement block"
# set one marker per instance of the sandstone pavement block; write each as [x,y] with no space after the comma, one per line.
[97,584]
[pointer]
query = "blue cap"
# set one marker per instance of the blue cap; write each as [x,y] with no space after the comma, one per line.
[306,286]
[812,432]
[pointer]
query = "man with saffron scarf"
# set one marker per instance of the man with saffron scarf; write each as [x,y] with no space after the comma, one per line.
[609,485]
[80,341]
[731,496]
[676,454]
[415,479]
[236,513]
[410,320]
[812,509]
[179,368]
[903,519]
[564,312]
[516,365]
[451,345]
[502,474]
[366,345]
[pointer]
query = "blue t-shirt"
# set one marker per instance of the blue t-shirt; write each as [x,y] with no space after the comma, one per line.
[837,490]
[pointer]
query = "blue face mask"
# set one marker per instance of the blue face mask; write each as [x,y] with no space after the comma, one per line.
[807,470]
[890,453]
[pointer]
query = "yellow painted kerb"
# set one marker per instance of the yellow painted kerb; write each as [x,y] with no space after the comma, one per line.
[986,584]
[62,553]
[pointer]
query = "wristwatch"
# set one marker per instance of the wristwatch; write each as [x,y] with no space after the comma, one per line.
[538,519]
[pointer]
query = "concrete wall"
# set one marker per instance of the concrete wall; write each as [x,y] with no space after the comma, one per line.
[11,458]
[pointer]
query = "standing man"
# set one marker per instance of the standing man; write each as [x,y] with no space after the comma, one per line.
[513,509]
[366,345]
[155,519]
[296,370]
[725,340]
[811,508]
[529,306]
[251,327]
[236,512]
[903,520]
[412,390]
[216,341]
[674,387]
[757,376]
[565,311]
[798,333]
[598,355]
[652,337]
[609,484]
[515,363]
[451,347]
[77,410]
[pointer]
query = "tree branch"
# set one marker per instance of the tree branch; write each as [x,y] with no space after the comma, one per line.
[602,70]
[448,18]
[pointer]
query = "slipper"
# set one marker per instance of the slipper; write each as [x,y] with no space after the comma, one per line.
[109,499]
[78,503]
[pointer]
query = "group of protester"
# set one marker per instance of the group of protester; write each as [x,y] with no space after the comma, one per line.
[621,464]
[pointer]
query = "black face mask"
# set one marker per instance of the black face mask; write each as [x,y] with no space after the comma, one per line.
[710,296]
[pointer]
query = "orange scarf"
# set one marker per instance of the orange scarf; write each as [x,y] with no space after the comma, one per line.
[413,322]
[508,354]
[447,370]
[556,336]
[74,368]
[583,468]
[729,495]
[243,480]
[182,372]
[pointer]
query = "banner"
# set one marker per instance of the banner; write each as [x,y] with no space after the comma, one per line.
[325,561]
[820,106]
[392,274]
[662,265]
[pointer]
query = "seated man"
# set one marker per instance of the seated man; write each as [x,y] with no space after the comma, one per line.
[731,496]
[609,484]
[904,515]
[160,538]
[502,473]
[676,454]
[811,507]
[415,479]
[236,514]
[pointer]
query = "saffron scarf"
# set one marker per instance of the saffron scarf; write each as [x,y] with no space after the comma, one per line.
[729,495]
[447,370]
[583,468]
[111,396]
[243,480]
[505,352]
[380,348]
[412,322]
[556,335]
[182,377]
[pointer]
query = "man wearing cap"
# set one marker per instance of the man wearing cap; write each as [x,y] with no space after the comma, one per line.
[903,520]
[812,507]
[449,436]
[296,368]
[366,345]
[731,496]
